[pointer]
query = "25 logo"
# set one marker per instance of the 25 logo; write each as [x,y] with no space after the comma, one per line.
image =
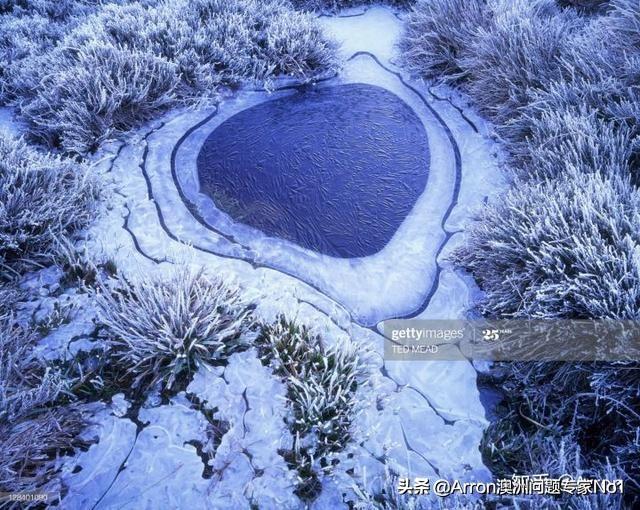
[491,335]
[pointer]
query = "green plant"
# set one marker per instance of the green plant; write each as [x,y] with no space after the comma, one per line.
[321,389]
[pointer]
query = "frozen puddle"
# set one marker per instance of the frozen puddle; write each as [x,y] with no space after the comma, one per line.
[398,194]
[404,218]
[334,169]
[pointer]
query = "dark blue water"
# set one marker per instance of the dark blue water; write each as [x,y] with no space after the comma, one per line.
[334,169]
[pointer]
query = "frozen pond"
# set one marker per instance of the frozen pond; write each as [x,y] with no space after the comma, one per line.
[334,169]
[346,185]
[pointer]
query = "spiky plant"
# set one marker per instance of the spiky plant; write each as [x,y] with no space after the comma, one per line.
[108,72]
[35,426]
[165,328]
[41,199]
[437,35]
[321,390]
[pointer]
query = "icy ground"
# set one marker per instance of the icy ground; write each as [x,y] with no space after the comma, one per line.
[421,418]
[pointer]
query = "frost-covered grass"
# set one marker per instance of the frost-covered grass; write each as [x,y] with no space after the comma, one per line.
[322,382]
[437,34]
[560,248]
[9,296]
[569,418]
[31,27]
[42,198]
[35,425]
[79,267]
[163,328]
[336,5]
[515,54]
[561,85]
[125,64]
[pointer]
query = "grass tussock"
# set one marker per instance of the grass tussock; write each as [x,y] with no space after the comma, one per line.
[42,198]
[105,73]
[517,53]
[560,82]
[321,389]
[437,35]
[538,249]
[162,329]
[336,5]
[600,401]
[36,426]
[29,28]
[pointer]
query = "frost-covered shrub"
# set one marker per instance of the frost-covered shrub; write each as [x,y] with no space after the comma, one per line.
[624,19]
[214,40]
[100,90]
[572,100]
[55,10]
[335,5]
[519,52]
[500,50]
[321,384]
[10,295]
[585,6]
[165,328]
[22,37]
[563,248]
[566,232]
[29,28]
[127,63]
[35,427]
[437,34]
[573,142]
[41,199]
[575,418]
[560,90]
[563,242]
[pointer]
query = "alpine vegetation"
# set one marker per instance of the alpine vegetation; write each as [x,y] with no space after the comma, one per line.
[36,426]
[437,34]
[42,198]
[560,82]
[322,383]
[9,296]
[336,5]
[578,418]
[162,329]
[559,233]
[31,27]
[128,62]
